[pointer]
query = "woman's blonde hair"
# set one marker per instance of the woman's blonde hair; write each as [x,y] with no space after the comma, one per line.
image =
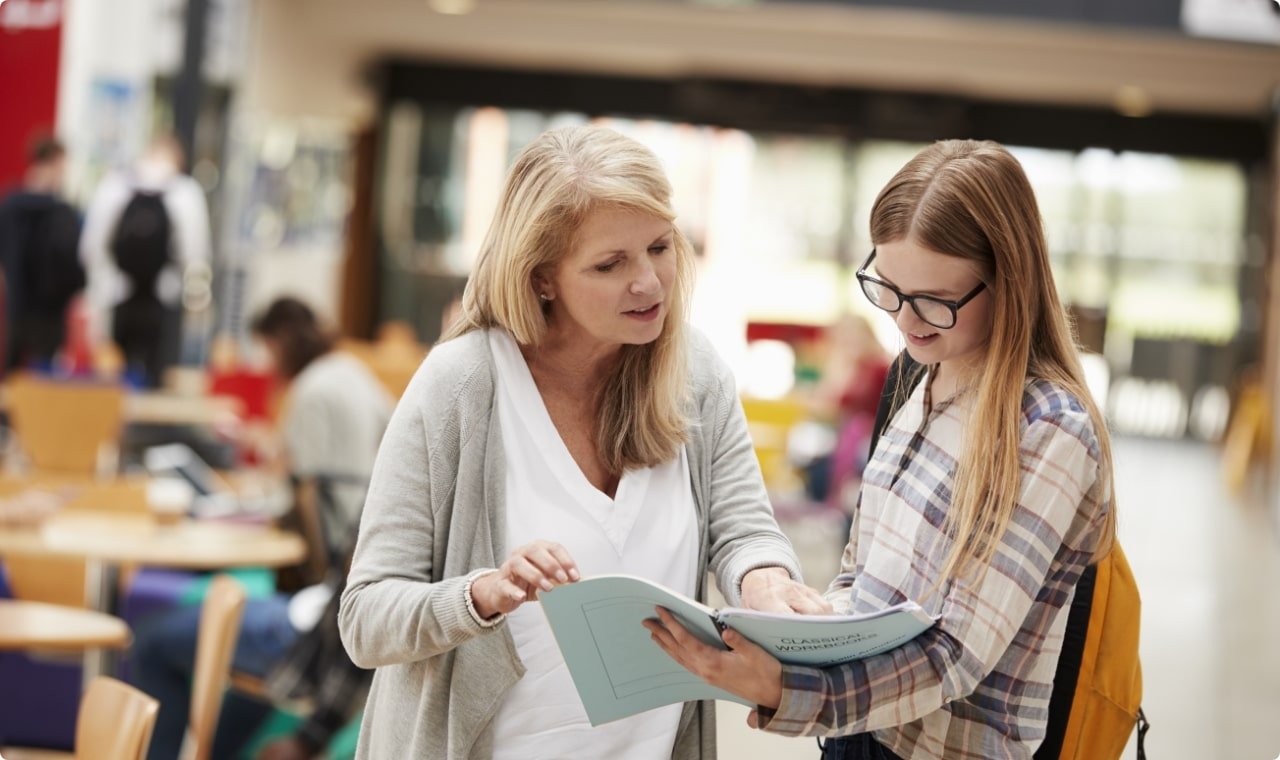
[971,199]
[556,182]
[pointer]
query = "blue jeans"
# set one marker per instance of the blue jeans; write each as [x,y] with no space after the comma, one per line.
[856,747]
[164,654]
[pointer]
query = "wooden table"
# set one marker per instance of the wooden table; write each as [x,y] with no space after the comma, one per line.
[140,539]
[105,541]
[158,408]
[51,627]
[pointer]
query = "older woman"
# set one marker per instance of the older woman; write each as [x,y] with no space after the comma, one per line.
[570,425]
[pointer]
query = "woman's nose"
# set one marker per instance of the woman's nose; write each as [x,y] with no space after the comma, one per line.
[646,282]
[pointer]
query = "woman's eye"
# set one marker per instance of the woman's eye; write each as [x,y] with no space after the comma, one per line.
[607,267]
[658,250]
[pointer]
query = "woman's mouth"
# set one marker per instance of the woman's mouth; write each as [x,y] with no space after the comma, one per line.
[647,314]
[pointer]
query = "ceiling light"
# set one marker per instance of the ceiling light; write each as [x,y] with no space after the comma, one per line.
[452,7]
[1133,101]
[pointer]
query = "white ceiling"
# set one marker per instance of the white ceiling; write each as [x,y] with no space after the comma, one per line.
[317,49]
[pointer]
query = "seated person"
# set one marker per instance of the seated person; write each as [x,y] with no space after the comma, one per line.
[332,421]
[317,669]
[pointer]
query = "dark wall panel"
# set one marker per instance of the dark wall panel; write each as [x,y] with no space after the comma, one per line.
[854,113]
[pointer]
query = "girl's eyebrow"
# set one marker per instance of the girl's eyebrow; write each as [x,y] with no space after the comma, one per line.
[943,294]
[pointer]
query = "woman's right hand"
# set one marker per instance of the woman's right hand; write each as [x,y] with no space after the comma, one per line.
[537,566]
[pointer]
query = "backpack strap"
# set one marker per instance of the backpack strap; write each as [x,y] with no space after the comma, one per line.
[903,377]
[1068,672]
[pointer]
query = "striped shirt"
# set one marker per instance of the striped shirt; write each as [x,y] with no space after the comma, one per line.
[977,684]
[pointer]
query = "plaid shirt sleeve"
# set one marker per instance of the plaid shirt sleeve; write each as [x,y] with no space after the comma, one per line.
[986,621]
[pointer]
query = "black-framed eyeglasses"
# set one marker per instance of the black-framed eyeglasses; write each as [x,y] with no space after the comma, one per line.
[938,312]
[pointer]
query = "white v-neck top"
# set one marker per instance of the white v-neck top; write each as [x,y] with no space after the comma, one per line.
[649,529]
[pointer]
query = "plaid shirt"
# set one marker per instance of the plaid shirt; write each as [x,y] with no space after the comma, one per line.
[977,684]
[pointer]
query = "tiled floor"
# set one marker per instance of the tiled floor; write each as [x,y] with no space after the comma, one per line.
[1208,565]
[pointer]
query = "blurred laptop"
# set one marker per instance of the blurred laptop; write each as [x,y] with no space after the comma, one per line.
[183,482]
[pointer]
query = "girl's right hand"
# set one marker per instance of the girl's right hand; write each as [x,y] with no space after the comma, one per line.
[537,566]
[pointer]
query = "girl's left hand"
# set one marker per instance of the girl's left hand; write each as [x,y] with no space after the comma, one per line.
[745,670]
[770,589]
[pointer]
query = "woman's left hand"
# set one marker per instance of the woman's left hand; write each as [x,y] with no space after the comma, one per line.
[745,670]
[770,589]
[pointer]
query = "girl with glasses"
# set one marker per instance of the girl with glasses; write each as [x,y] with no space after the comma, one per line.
[988,494]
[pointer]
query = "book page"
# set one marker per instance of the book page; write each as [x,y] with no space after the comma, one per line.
[616,667]
[821,640]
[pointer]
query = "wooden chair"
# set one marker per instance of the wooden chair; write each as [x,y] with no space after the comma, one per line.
[59,580]
[393,358]
[66,427]
[114,722]
[219,626]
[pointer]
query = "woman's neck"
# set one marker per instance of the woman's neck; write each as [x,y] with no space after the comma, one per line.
[573,366]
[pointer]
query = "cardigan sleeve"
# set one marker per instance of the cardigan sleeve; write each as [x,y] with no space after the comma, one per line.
[392,612]
[743,533]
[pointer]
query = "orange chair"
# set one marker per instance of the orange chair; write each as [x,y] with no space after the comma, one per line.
[67,427]
[219,625]
[115,722]
[393,361]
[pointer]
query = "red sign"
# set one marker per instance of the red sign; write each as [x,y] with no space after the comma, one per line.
[30,41]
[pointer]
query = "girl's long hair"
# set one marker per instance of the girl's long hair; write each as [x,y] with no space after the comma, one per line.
[971,199]
[555,183]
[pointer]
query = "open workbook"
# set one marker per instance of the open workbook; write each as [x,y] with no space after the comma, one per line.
[619,671]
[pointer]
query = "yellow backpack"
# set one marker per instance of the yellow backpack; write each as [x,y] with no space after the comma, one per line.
[1097,690]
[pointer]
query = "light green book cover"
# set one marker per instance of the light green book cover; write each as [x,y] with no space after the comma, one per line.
[619,671]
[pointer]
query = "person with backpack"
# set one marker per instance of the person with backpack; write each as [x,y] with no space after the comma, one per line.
[146,229]
[39,240]
[988,495]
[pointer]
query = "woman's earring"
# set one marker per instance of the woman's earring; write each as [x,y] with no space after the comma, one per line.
[545,298]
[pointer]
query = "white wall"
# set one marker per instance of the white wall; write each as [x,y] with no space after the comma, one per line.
[104,42]
[312,276]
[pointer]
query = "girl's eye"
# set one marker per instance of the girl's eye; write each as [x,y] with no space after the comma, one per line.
[658,250]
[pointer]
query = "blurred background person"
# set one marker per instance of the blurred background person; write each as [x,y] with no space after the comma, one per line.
[317,669]
[39,237]
[846,395]
[145,230]
[332,422]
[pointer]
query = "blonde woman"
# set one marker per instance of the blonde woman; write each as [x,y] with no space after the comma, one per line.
[570,424]
[988,494]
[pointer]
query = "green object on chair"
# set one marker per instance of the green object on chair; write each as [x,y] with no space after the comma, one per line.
[280,723]
[258,583]
[343,744]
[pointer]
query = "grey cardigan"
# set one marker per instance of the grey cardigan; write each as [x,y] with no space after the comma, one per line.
[436,514]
